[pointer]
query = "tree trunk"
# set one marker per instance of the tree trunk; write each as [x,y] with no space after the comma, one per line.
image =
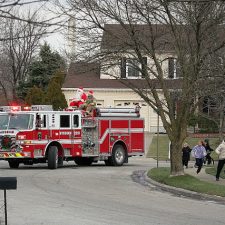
[177,138]
[176,167]
[221,122]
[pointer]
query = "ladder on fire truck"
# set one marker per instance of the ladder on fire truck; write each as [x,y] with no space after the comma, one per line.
[118,112]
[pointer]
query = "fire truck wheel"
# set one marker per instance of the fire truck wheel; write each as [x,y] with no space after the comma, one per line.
[53,157]
[13,164]
[118,155]
[60,161]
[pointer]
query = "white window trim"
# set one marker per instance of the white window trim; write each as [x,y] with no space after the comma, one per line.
[139,72]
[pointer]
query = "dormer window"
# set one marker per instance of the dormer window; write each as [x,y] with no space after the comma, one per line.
[131,68]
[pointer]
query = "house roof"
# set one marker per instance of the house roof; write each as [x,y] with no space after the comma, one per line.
[161,37]
[117,37]
[87,75]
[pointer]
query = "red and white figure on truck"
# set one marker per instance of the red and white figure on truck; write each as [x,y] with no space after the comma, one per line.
[41,135]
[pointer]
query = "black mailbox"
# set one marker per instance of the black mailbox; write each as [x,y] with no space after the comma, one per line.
[8,183]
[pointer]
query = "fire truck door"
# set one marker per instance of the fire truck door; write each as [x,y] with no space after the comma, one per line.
[42,131]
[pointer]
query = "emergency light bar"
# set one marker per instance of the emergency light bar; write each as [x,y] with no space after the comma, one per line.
[41,108]
[10,108]
[26,108]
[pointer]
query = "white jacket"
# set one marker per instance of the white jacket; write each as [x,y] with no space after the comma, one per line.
[220,150]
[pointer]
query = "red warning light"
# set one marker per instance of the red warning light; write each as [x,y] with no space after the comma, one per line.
[15,108]
[26,108]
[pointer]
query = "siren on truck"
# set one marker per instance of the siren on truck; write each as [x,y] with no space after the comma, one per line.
[17,108]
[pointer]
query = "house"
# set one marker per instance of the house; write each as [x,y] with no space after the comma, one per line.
[109,81]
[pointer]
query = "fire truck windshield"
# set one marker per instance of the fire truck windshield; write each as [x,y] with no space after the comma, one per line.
[4,120]
[16,121]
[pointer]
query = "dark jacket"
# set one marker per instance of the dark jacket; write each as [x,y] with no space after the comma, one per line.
[208,148]
[186,153]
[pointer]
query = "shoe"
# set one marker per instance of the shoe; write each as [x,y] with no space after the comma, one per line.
[217,179]
[186,167]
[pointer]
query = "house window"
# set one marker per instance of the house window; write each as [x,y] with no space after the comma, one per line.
[209,104]
[132,68]
[174,70]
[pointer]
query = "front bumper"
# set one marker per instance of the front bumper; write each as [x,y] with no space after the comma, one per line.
[14,155]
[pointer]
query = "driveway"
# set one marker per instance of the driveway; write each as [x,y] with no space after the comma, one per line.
[99,195]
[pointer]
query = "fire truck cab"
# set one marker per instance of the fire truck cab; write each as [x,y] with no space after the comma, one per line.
[42,135]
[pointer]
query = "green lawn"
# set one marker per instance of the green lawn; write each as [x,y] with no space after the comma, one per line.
[188,182]
[163,149]
[212,171]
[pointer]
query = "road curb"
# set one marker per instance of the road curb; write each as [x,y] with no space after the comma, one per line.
[184,193]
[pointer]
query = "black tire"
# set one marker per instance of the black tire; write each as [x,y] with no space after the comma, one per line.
[14,164]
[60,162]
[83,161]
[53,157]
[118,155]
[108,162]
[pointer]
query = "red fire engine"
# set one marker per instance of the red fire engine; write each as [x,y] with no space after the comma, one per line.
[41,135]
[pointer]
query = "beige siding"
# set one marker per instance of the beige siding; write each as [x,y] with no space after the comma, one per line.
[110,72]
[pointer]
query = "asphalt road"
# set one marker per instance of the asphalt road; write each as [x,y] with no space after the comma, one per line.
[98,195]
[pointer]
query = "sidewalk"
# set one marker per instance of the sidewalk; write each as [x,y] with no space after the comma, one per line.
[203,175]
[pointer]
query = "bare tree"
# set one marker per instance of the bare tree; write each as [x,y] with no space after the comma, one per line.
[20,37]
[9,9]
[21,40]
[183,34]
[214,103]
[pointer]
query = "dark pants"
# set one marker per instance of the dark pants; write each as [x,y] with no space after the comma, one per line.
[185,162]
[208,159]
[219,167]
[199,163]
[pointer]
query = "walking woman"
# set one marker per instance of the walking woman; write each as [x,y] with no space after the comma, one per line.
[220,150]
[208,149]
[199,152]
[186,154]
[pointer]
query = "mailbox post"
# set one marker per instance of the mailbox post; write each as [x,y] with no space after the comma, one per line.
[7,183]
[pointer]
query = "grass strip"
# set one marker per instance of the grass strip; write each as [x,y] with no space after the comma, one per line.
[163,146]
[212,171]
[162,175]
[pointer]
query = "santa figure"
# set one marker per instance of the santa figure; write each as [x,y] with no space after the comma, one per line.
[79,99]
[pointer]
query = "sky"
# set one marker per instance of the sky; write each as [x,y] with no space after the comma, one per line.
[57,40]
